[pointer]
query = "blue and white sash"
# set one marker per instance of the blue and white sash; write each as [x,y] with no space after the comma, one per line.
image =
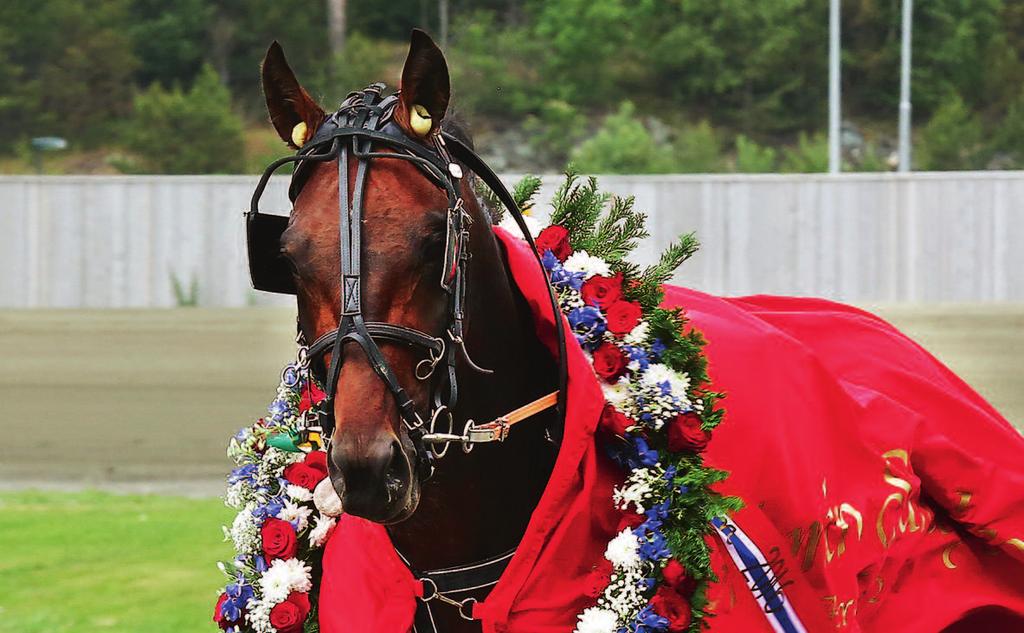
[762,580]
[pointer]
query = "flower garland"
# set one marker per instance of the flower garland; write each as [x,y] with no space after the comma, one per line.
[655,572]
[286,511]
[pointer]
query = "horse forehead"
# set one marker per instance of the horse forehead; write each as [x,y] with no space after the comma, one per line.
[392,186]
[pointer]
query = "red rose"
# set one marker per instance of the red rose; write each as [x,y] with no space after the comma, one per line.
[615,420]
[278,539]
[673,607]
[317,460]
[685,434]
[598,578]
[609,362]
[629,520]
[290,615]
[622,317]
[602,291]
[311,395]
[554,238]
[676,577]
[303,474]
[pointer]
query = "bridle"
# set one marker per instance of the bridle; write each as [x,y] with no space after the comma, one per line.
[356,132]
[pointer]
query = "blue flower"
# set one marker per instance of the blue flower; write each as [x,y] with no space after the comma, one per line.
[268,510]
[560,277]
[549,260]
[589,325]
[242,473]
[277,409]
[238,596]
[260,563]
[655,547]
[658,348]
[647,455]
[648,620]
[243,434]
[638,354]
[670,473]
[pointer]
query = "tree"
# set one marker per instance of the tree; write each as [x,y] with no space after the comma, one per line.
[186,132]
[952,139]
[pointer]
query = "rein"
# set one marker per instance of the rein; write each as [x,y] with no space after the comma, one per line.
[356,132]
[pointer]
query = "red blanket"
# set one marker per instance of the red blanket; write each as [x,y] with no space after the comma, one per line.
[887,495]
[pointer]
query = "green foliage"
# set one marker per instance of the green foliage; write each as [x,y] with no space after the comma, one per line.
[622,145]
[169,38]
[181,132]
[697,150]
[493,68]
[753,158]
[555,130]
[553,68]
[808,157]
[69,67]
[952,139]
[869,159]
[1008,137]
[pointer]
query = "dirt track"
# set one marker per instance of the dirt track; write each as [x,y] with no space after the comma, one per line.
[147,399]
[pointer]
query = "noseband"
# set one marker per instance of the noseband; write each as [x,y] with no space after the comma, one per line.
[361,127]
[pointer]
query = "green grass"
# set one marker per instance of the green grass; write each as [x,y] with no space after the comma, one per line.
[90,561]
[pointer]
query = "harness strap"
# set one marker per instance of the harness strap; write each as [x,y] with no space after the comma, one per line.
[463,153]
[453,586]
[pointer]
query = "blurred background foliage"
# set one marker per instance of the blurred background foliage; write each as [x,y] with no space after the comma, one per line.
[648,86]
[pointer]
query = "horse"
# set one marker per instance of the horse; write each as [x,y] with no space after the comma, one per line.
[875,483]
[476,504]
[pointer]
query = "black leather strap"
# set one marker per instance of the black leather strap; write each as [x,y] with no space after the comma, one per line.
[470,159]
[457,583]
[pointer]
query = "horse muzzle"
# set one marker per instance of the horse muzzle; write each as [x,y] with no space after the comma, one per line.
[375,477]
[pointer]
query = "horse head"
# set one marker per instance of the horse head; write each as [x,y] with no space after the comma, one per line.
[399,225]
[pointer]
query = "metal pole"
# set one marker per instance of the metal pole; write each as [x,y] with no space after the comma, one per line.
[905,107]
[834,111]
[442,11]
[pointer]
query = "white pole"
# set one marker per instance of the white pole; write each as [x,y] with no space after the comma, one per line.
[905,107]
[834,117]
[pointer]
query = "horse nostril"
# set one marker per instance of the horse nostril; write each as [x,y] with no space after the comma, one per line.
[398,470]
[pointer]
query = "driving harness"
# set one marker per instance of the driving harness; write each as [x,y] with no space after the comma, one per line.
[358,131]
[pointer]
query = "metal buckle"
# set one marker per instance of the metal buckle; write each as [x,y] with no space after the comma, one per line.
[465,607]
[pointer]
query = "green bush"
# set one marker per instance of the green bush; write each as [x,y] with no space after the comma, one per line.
[696,150]
[178,132]
[808,157]
[622,145]
[952,139]
[752,158]
[555,130]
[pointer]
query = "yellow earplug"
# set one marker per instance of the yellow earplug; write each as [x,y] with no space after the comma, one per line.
[299,134]
[419,120]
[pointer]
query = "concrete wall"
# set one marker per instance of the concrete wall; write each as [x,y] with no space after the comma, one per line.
[935,237]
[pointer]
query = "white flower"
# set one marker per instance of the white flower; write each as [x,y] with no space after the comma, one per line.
[636,492]
[658,373]
[295,514]
[618,394]
[580,261]
[318,535]
[623,550]
[284,577]
[510,225]
[298,493]
[244,532]
[638,335]
[597,620]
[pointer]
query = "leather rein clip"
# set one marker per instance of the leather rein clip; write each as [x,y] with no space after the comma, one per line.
[496,430]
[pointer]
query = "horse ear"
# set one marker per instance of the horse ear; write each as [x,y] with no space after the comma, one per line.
[425,87]
[295,115]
